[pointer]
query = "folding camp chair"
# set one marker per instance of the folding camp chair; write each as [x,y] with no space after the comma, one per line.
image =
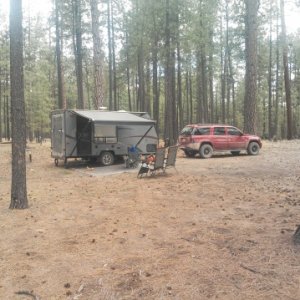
[152,167]
[159,162]
[144,169]
[171,157]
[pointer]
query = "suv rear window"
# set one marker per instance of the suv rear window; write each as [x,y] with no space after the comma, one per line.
[201,131]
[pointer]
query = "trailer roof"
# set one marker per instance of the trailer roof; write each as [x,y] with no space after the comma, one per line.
[112,117]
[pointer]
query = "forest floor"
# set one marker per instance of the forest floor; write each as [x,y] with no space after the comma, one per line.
[218,228]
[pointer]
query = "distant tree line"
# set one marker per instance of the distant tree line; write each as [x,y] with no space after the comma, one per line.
[207,61]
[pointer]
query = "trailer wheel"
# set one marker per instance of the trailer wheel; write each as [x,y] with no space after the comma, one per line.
[56,162]
[107,158]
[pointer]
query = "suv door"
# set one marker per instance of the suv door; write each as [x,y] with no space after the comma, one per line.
[219,138]
[236,139]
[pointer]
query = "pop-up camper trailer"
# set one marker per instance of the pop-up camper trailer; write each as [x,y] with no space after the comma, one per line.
[103,135]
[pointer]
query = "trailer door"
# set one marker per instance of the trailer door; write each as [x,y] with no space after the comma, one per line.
[57,139]
[84,136]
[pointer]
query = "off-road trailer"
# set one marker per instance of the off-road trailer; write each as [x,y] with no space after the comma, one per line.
[100,135]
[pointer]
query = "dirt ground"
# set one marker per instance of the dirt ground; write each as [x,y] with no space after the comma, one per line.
[219,228]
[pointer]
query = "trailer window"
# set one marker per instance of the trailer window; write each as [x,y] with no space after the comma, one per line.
[105,133]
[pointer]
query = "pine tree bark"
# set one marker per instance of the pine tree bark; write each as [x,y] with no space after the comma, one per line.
[155,90]
[128,74]
[97,57]
[170,103]
[270,81]
[287,83]
[251,66]
[223,81]
[18,120]
[141,78]
[276,116]
[211,79]
[113,48]
[78,53]
[190,92]
[62,103]
[0,106]
[7,107]
[110,60]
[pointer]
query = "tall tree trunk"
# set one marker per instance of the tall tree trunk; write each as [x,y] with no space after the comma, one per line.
[78,53]
[155,82]
[148,88]
[170,113]
[113,48]
[18,184]
[128,73]
[227,85]
[223,79]
[141,78]
[179,116]
[231,83]
[62,104]
[7,107]
[4,114]
[251,66]
[179,87]
[190,91]
[211,79]
[204,84]
[0,105]
[276,116]
[270,130]
[286,75]
[110,68]
[97,57]
[200,109]
[87,86]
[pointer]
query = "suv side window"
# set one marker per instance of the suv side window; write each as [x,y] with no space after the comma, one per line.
[201,131]
[233,131]
[219,131]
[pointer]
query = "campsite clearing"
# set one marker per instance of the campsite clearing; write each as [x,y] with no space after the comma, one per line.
[219,228]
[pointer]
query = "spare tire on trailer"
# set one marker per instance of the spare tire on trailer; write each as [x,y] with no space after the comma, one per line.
[107,158]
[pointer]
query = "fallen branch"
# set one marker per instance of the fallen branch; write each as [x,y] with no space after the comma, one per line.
[26,293]
[250,269]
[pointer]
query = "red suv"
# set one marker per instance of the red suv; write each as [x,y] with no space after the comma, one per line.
[207,139]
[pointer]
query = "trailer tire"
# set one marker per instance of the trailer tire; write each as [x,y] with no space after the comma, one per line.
[107,158]
[56,162]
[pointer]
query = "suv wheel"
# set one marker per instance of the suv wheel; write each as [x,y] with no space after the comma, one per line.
[206,151]
[253,148]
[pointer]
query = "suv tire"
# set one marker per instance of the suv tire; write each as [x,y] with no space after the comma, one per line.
[206,151]
[253,148]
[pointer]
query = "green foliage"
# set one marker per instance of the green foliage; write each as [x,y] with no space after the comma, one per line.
[198,32]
